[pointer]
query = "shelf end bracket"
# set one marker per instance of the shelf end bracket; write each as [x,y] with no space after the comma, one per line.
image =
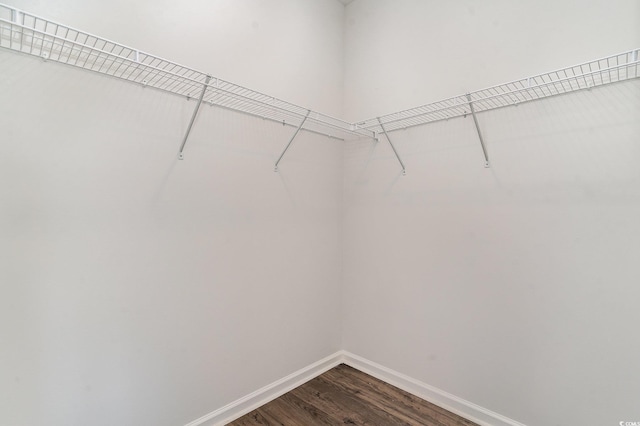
[291,140]
[475,120]
[386,135]
[193,117]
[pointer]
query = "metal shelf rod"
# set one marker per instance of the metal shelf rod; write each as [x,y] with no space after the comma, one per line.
[475,120]
[193,118]
[291,140]
[404,172]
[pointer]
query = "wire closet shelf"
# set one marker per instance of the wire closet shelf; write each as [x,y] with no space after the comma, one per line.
[30,34]
[599,72]
[33,35]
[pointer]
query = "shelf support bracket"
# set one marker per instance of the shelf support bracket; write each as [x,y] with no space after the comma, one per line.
[475,120]
[193,117]
[291,140]
[386,135]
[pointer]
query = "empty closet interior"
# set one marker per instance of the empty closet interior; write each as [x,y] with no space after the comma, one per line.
[204,204]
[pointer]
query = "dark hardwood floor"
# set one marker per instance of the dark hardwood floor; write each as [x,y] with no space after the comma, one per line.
[346,396]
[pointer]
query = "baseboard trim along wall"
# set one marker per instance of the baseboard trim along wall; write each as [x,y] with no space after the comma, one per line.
[250,402]
[452,403]
[456,405]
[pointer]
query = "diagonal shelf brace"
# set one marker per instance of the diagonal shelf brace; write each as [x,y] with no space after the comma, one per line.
[193,117]
[386,135]
[291,140]
[475,120]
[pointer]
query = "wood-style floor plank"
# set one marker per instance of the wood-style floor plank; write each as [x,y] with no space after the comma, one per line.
[291,410]
[393,398]
[346,396]
[345,408]
[384,397]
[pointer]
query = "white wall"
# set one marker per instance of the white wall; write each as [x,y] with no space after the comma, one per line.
[513,287]
[136,289]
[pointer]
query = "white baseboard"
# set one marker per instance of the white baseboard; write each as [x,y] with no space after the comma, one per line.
[452,403]
[456,405]
[268,393]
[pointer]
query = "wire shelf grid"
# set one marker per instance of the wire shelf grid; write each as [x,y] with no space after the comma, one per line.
[611,69]
[30,34]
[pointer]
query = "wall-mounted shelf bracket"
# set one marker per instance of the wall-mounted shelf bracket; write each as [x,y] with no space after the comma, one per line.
[475,120]
[193,117]
[386,135]
[291,140]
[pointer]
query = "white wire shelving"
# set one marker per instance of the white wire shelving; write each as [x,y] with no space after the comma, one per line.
[599,72]
[33,35]
[27,33]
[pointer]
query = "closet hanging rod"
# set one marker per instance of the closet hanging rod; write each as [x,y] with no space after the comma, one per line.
[30,34]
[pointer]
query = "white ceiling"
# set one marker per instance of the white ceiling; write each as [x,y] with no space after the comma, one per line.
[346,2]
